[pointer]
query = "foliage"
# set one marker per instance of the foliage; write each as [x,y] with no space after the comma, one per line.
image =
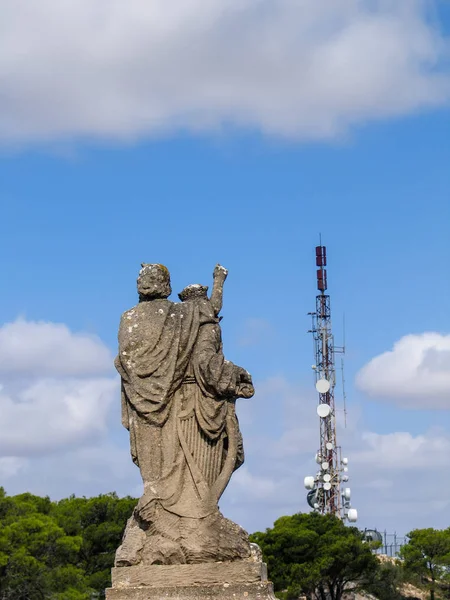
[386,581]
[59,550]
[316,555]
[64,550]
[427,555]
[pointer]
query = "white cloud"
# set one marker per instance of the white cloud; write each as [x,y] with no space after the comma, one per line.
[96,468]
[52,392]
[56,438]
[48,414]
[11,466]
[414,374]
[402,450]
[398,480]
[256,488]
[60,412]
[304,69]
[40,349]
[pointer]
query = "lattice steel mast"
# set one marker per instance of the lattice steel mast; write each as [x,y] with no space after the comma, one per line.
[326,494]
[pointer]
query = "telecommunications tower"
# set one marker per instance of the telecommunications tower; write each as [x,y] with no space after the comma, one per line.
[327,494]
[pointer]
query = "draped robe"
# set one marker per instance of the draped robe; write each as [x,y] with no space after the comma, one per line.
[178,395]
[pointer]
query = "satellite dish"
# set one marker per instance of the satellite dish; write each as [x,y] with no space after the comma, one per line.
[309,482]
[316,506]
[352,515]
[345,478]
[323,410]
[327,477]
[327,486]
[372,535]
[323,386]
[325,466]
[345,461]
[311,498]
[347,493]
[345,469]
[329,446]
[318,459]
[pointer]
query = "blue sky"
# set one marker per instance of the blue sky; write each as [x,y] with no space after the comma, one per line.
[251,185]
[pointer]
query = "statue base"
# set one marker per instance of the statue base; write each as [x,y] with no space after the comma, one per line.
[238,580]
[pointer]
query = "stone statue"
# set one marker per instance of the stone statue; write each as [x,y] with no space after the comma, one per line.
[178,403]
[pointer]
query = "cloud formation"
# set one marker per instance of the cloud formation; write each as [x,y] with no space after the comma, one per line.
[404,451]
[56,438]
[398,480]
[54,393]
[300,70]
[46,415]
[11,466]
[42,349]
[97,468]
[414,374]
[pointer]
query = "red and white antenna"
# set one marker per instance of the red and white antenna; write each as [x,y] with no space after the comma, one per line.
[327,493]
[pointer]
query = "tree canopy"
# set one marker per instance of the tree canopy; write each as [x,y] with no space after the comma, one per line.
[316,555]
[59,550]
[64,550]
[427,555]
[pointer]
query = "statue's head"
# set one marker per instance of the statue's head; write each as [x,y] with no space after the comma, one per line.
[193,291]
[153,282]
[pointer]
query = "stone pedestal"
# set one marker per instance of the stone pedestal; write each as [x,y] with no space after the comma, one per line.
[238,580]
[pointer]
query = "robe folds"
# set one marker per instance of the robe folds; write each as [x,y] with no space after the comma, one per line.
[178,394]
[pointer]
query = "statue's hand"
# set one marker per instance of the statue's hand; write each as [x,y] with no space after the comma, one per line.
[220,272]
[246,390]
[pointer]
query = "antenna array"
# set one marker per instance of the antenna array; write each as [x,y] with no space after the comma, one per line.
[326,492]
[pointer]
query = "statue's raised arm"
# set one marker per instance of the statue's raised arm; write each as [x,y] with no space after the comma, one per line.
[219,276]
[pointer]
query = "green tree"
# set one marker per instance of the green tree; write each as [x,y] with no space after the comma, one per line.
[427,554]
[100,521]
[35,551]
[316,555]
[59,550]
[386,581]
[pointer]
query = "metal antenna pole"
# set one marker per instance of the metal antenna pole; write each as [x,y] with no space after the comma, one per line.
[344,395]
[326,494]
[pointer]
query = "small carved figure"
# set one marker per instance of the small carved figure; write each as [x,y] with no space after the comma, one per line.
[197,291]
